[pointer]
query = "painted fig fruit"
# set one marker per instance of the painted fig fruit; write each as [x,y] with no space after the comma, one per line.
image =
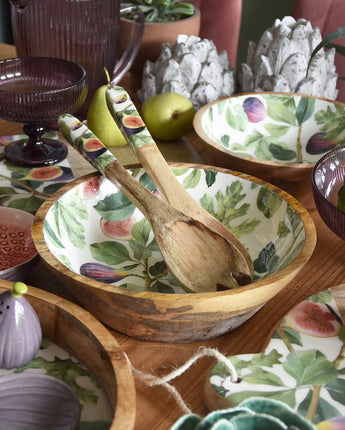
[317,144]
[118,229]
[49,173]
[254,108]
[92,148]
[132,124]
[20,329]
[90,188]
[35,401]
[313,319]
[101,272]
[121,98]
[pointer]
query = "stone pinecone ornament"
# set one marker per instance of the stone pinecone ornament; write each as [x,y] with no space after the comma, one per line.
[279,61]
[191,67]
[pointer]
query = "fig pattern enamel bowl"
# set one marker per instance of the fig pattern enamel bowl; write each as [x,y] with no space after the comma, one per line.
[327,179]
[275,136]
[102,247]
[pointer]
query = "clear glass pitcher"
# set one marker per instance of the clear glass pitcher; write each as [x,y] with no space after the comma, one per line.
[84,31]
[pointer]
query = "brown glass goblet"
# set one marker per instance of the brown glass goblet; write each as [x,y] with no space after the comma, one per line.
[35,91]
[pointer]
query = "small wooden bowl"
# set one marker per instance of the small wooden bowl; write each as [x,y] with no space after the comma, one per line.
[261,137]
[82,335]
[171,316]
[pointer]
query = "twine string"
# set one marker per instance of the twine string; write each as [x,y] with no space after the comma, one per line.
[153,380]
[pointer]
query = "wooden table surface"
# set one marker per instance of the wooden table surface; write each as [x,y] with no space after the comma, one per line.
[155,409]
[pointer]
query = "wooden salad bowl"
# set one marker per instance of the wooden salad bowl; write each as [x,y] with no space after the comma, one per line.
[174,317]
[82,335]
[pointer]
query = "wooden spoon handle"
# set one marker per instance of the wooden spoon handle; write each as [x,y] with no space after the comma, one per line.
[121,107]
[90,147]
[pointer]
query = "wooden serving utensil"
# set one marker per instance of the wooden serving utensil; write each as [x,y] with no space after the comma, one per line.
[200,258]
[140,140]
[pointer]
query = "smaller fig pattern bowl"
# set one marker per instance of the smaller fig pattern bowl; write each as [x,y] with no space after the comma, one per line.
[275,136]
[327,179]
[17,250]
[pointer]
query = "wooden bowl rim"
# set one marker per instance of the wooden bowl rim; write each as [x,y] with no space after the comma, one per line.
[255,161]
[298,262]
[125,408]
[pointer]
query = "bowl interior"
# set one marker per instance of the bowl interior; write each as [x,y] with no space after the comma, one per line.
[39,74]
[16,244]
[273,127]
[327,179]
[94,231]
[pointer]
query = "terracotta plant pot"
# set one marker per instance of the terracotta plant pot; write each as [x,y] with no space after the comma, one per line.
[155,34]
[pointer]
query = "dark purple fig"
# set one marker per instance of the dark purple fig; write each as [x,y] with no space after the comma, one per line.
[92,148]
[132,124]
[20,329]
[254,108]
[49,173]
[317,144]
[101,272]
[121,99]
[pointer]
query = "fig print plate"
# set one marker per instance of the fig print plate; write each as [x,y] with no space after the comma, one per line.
[302,366]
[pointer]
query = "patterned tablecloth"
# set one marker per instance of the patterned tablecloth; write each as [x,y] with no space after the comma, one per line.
[27,188]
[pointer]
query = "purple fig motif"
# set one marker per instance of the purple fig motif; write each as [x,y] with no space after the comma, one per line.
[121,98]
[92,148]
[132,124]
[317,144]
[254,108]
[101,272]
[49,173]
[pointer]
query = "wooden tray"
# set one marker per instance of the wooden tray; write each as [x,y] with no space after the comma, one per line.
[82,335]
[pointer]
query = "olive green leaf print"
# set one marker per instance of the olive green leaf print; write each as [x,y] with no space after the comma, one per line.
[332,122]
[69,214]
[303,365]
[67,371]
[228,208]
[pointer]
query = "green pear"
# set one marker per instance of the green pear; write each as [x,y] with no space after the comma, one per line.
[101,122]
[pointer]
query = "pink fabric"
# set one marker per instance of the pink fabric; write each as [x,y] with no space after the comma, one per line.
[328,15]
[220,22]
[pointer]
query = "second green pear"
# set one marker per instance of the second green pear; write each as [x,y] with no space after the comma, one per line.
[101,122]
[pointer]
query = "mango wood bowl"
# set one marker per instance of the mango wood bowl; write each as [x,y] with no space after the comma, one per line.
[102,248]
[274,136]
[78,332]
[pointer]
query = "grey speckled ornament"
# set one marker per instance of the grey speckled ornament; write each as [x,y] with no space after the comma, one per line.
[279,61]
[193,68]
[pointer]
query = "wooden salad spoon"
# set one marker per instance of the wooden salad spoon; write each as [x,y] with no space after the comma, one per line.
[155,165]
[201,259]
